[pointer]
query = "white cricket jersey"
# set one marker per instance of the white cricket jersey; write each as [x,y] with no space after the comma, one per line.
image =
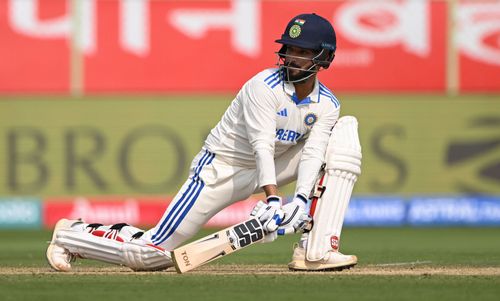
[266,119]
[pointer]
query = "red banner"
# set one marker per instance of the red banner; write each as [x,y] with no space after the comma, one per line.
[142,211]
[479,42]
[186,46]
[217,46]
[34,53]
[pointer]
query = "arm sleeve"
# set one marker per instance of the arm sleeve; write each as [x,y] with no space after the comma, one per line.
[313,155]
[259,112]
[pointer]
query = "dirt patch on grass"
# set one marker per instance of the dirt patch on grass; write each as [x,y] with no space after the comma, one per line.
[376,270]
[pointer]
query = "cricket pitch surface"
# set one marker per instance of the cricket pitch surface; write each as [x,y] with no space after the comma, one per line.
[403,269]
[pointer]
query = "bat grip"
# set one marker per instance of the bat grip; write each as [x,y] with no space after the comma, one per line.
[286,231]
[291,230]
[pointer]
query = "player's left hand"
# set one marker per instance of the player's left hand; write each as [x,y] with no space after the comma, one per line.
[296,218]
[270,215]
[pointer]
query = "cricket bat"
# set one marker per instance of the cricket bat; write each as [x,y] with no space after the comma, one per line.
[217,245]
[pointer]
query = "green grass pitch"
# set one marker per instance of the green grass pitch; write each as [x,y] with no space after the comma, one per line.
[394,264]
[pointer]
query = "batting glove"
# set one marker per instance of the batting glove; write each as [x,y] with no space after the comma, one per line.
[270,237]
[270,215]
[296,218]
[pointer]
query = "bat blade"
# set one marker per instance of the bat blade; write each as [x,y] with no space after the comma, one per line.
[217,245]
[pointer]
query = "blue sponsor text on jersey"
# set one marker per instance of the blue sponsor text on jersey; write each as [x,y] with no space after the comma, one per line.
[287,135]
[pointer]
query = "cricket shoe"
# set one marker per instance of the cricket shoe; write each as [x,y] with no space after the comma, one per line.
[333,261]
[58,257]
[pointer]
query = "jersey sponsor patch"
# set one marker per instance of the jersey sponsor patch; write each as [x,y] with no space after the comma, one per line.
[310,119]
[287,135]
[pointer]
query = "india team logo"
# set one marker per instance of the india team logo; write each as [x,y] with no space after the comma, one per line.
[310,119]
[295,31]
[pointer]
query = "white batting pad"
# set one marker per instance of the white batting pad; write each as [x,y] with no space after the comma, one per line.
[343,166]
[135,255]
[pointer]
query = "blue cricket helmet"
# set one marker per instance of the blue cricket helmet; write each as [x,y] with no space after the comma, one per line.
[310,31]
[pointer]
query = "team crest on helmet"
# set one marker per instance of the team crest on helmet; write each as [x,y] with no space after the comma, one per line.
[295,31]
[310,119]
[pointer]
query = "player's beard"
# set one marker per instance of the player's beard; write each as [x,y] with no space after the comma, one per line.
[296,74]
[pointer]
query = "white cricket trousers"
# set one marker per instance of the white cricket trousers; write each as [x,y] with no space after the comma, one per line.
[211,186]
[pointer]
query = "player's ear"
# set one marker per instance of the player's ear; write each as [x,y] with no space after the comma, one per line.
[325,60]
[331,56]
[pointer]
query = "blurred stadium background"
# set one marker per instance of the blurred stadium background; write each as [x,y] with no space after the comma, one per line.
[103,103]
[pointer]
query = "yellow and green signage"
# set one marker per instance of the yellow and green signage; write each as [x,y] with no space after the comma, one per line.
[144,145]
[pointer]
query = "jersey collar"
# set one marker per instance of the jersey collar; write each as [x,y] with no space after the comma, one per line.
[313,97]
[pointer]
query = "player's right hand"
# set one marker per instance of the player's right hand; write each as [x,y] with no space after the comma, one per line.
[270,215]
[296,218]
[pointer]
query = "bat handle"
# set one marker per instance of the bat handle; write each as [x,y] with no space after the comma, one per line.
[291,230]
[286,231]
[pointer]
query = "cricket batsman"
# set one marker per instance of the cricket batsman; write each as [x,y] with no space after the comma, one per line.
[282,126]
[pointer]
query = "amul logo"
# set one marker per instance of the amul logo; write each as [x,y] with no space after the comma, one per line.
[474,158]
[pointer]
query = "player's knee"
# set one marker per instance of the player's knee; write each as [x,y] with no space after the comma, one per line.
[140,257]
[344,148]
